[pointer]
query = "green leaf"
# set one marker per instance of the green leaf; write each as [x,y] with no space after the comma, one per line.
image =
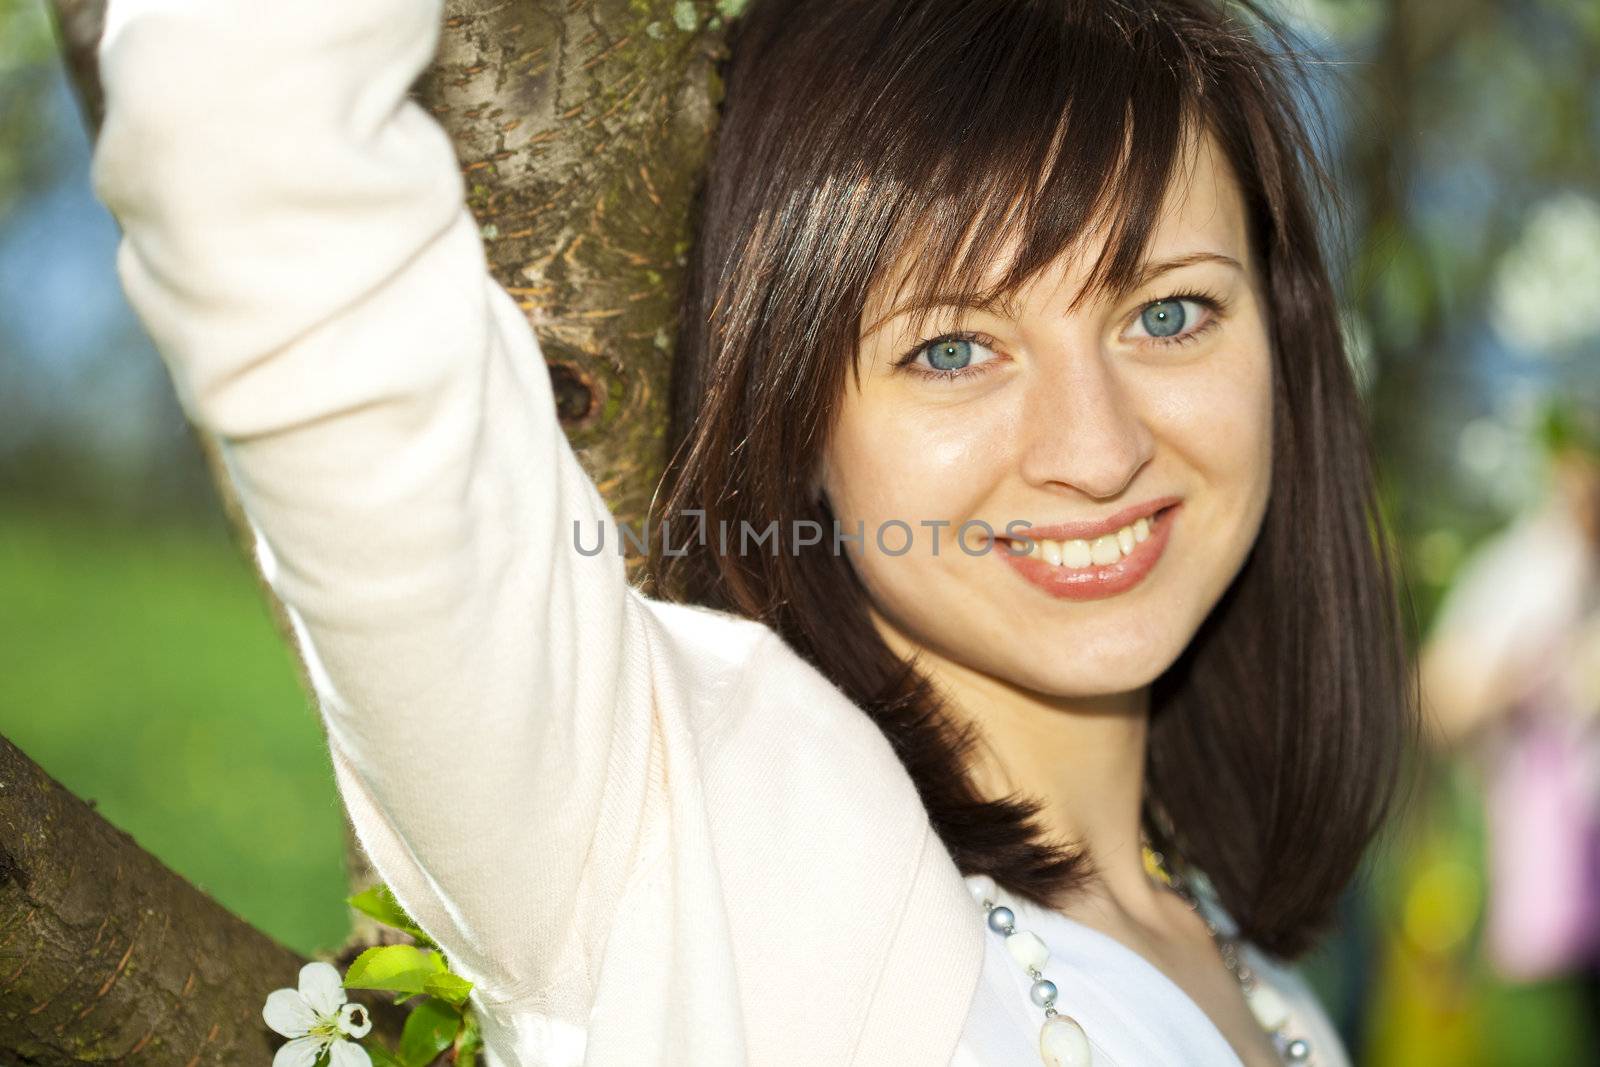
[448,987]
[380,904]
[401,968]
[469,1042]
[429,1030]
[381,1057]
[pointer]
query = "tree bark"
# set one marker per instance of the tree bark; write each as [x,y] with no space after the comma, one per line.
[581,126]
[108,956]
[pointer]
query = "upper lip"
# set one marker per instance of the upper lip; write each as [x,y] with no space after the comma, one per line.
[1087,531]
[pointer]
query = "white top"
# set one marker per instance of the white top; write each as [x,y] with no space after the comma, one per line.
[648,833]
[1131,1011]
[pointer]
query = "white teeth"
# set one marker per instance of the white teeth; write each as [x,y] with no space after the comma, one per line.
[1106,550]
[1076,553]
[1103,551]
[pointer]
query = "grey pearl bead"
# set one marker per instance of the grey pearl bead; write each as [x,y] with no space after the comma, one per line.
[1001,921]
[1298,1050]
[1043,992]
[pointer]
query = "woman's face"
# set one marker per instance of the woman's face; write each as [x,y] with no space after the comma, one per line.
[1155,404]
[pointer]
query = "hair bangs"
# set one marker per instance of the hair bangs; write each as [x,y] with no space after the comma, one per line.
[1024,138]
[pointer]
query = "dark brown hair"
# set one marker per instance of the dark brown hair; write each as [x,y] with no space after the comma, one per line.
[855,132]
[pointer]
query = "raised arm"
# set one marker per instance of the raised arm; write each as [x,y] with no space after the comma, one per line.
[298,246]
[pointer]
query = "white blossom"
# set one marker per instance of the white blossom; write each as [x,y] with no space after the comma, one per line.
[316,1018]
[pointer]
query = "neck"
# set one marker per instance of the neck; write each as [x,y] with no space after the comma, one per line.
[1083,758]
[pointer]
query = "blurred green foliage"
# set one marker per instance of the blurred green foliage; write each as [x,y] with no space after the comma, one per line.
[140,667]
[27,53]
[1467,138]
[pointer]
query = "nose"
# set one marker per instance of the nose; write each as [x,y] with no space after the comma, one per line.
[1083,429]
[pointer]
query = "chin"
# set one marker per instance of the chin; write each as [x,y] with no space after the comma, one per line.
[1079,671]
[1087,672]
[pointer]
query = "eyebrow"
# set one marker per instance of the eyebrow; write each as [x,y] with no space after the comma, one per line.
[1152,271]
[1004,304]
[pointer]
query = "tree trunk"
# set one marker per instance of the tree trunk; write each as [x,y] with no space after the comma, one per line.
[581,129]
[108,956]
[581,126]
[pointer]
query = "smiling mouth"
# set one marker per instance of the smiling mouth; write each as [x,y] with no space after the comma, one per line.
[1084,555]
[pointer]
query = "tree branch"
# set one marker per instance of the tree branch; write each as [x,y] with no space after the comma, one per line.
[106,955]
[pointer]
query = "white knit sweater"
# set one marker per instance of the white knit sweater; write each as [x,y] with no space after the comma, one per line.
[649,834]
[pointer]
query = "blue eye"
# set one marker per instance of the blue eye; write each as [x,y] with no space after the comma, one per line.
[951,357]
[1179,318]
[1164,318]
[949,354]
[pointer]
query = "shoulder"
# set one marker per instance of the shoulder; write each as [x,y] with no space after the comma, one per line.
[699,655]
[710,643]
[719,637]
[750,684]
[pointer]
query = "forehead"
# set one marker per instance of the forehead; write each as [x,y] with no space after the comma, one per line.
[1204,207]
[1201,211]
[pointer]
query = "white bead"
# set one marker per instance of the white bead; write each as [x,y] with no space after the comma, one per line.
[982,887]
[1028,950]
[1062,1043]
[1270,1009]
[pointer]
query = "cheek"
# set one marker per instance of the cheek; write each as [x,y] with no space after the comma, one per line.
[887,462]
[895,463]
[1218,422]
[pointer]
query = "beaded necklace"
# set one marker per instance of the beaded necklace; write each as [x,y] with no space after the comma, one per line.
[1062,1041]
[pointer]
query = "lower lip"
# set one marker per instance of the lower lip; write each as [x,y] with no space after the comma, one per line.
[1095,583]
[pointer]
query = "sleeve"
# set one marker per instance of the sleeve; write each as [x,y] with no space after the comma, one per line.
[296,242]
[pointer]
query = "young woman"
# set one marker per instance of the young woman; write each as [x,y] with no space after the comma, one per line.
[1041,276]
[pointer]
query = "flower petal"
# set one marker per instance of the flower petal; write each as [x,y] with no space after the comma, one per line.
[287,1012]
[348,1054]
[301,1052]
[355,1020]
[322,987]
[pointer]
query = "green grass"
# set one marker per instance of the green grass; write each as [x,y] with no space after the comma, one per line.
[140,667]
